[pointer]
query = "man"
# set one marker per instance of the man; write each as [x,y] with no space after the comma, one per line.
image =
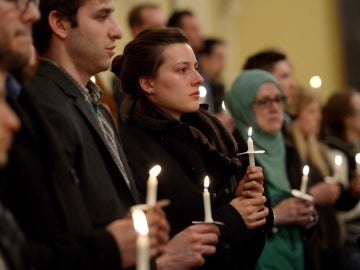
[42,188]
[187,21]
[144,16]
[76,39]
[279,65]
[15,39]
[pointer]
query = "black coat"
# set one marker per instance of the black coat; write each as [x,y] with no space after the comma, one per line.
[43,192]
[185,161]
[62,184]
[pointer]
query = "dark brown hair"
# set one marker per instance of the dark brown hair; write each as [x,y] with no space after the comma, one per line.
[42,31]
[337,108]
[143,56]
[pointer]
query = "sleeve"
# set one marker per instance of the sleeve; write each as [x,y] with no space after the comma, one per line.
[95,250]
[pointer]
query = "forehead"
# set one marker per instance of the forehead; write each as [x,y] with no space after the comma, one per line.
[179,52]
[282,66]
[267,89]
[96,4]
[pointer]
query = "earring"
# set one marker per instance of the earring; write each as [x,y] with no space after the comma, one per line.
[152,91]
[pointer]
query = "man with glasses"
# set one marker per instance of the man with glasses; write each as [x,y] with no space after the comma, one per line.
[16,19]
[42,188]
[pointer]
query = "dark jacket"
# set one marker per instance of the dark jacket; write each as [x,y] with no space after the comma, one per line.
[63,185]
[322,243]
[185,160]
[43,192]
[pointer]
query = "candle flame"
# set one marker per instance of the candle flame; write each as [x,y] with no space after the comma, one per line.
[250,131]
[140,222]
[306,170]
[154,171]
[357,158]
[206,182]
[338,160]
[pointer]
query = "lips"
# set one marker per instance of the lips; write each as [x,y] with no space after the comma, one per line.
[196,93]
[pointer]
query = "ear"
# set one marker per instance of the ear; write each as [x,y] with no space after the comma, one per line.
[147,85]
[58,24]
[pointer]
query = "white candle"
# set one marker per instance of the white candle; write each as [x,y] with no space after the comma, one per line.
[357,159]
[142,241]
[206,198]
[338,161]
[152,184]
[250,144]
[304,179]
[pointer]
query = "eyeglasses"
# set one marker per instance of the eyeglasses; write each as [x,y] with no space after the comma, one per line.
[23,5]
[267,102]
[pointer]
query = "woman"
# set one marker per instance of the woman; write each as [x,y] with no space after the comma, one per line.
[158,72]
[302,147]
[255,99]
[340,130]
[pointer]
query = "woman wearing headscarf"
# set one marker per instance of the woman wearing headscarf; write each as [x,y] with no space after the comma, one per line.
[255,99]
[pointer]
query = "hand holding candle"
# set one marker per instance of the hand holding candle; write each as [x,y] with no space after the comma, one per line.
[207,203]
[250,144]
[304,179]
[152,184]
[142,242]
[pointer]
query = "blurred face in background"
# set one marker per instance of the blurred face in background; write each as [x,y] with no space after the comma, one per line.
[352,121]
[268,108]
[309,118]
[214,64]
[191,27]
[283,72]
[16,20]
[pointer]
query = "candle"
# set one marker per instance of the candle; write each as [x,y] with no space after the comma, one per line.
[304,179]
[152,183]
[251,148]
[206,197]
[338,162]
[357,159]
[142,241]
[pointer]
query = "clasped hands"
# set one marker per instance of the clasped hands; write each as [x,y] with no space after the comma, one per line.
[249,198]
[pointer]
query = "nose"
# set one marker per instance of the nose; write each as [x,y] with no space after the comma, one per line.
[31,14]
[198,79]
[115,30]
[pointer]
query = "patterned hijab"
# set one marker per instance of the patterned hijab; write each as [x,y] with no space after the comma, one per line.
[239,101]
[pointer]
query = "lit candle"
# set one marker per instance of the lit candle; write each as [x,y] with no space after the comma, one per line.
[206,197]
[338,162]
[304,179]
[142,241]
[250,144]
[357,159]
[152,183]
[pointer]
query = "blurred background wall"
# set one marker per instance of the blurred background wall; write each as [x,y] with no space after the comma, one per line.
[309,31]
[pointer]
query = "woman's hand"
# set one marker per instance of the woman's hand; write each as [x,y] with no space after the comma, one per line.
[252,184]
[252,210]
[325,193]
[293,211]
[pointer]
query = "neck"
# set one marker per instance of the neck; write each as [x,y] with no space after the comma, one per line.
[65,61]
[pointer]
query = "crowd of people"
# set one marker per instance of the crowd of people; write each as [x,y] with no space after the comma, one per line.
[71,172]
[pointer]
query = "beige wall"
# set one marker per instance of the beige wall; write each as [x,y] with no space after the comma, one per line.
[307,30]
